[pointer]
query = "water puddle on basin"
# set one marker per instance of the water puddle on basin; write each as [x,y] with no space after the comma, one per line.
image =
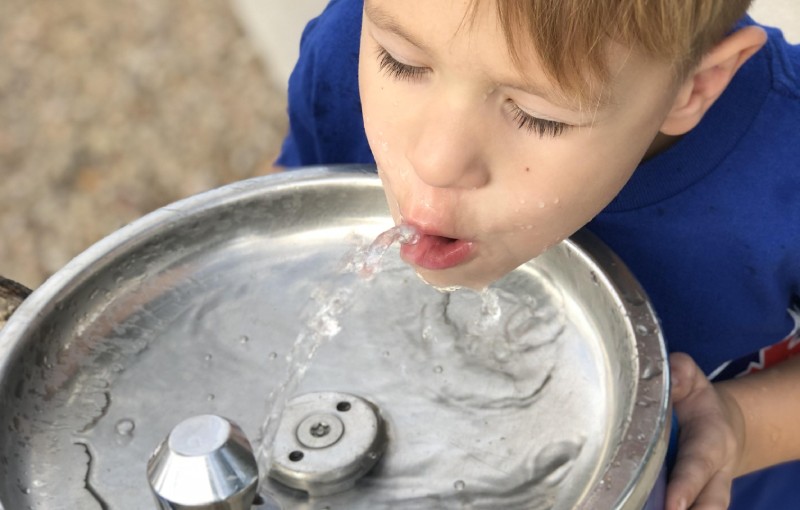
[491,399]
[466,380]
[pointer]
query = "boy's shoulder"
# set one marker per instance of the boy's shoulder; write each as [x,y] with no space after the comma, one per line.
[784,61]
[324,106]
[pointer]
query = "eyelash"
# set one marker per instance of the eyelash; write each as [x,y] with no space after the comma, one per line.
[396,69]
[531,124]
[404,72]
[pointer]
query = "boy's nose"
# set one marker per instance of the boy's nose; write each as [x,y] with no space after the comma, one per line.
[446,152]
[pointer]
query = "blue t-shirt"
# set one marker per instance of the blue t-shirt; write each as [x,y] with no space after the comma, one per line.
[710,227]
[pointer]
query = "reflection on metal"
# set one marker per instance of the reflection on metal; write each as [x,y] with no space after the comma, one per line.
[206,463]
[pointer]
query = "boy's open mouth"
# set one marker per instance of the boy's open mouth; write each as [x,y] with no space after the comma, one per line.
[436,252]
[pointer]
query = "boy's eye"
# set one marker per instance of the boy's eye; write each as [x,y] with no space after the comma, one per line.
[531,124]
[396,69]
[400,71]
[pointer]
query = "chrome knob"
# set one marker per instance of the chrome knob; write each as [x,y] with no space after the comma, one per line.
[205,463]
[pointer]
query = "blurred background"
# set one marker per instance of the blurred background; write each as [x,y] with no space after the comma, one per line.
[109,110]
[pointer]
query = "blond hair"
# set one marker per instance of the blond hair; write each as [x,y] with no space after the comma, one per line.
[570,38]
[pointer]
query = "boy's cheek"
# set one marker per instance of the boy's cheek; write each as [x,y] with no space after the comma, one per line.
[391,199]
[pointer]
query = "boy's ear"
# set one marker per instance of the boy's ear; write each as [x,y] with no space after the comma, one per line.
[710,78]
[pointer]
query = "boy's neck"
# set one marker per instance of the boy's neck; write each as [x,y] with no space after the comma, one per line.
[660,143]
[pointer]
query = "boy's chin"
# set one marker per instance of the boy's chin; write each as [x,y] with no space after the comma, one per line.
[457,277]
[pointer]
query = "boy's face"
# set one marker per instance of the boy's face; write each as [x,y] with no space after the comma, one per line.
[486,160]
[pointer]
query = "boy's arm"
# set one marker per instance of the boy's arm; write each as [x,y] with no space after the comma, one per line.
[729,429]
[770,405]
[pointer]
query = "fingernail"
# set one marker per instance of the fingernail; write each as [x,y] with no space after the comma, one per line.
[681,504]
[674,383]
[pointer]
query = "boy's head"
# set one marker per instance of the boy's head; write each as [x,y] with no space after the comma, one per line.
[571,38]
[500,127]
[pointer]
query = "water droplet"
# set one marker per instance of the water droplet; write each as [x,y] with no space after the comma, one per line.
[386,354]
[244,339]
[459,485]
[641,437]
[208,357]
[438,369]
[273,355]
[210,397]
[125,426]
[650,370]
[642,329]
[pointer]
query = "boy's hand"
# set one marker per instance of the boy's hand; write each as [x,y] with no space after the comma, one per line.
[710,442]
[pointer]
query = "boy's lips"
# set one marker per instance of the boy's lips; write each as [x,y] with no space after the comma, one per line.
[432,251]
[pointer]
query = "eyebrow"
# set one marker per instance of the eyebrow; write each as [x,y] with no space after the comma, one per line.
[595,102]
[385,21]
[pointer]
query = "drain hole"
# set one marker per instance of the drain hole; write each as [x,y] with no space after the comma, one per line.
[343,406]
[258,500]
[296,456]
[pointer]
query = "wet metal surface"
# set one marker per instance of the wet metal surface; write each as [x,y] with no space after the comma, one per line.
[193,309]
[205,463]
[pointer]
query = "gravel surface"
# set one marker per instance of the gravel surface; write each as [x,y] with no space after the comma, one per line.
[110,109]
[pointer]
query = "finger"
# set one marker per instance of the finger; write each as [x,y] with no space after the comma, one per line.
[698,463]
[716,495]
[686,481]
[686,376]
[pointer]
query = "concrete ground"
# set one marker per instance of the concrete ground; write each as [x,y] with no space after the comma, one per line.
[109,110]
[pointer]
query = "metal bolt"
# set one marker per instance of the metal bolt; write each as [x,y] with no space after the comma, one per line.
[320,429]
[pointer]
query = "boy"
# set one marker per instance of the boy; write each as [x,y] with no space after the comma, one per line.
[500,127]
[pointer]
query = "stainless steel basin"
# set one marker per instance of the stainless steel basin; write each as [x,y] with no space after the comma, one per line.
[194,308]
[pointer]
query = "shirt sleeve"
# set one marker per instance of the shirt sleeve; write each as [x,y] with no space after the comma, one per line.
[325,123]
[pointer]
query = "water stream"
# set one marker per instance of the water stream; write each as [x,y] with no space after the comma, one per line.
[330,300]
[458,380]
